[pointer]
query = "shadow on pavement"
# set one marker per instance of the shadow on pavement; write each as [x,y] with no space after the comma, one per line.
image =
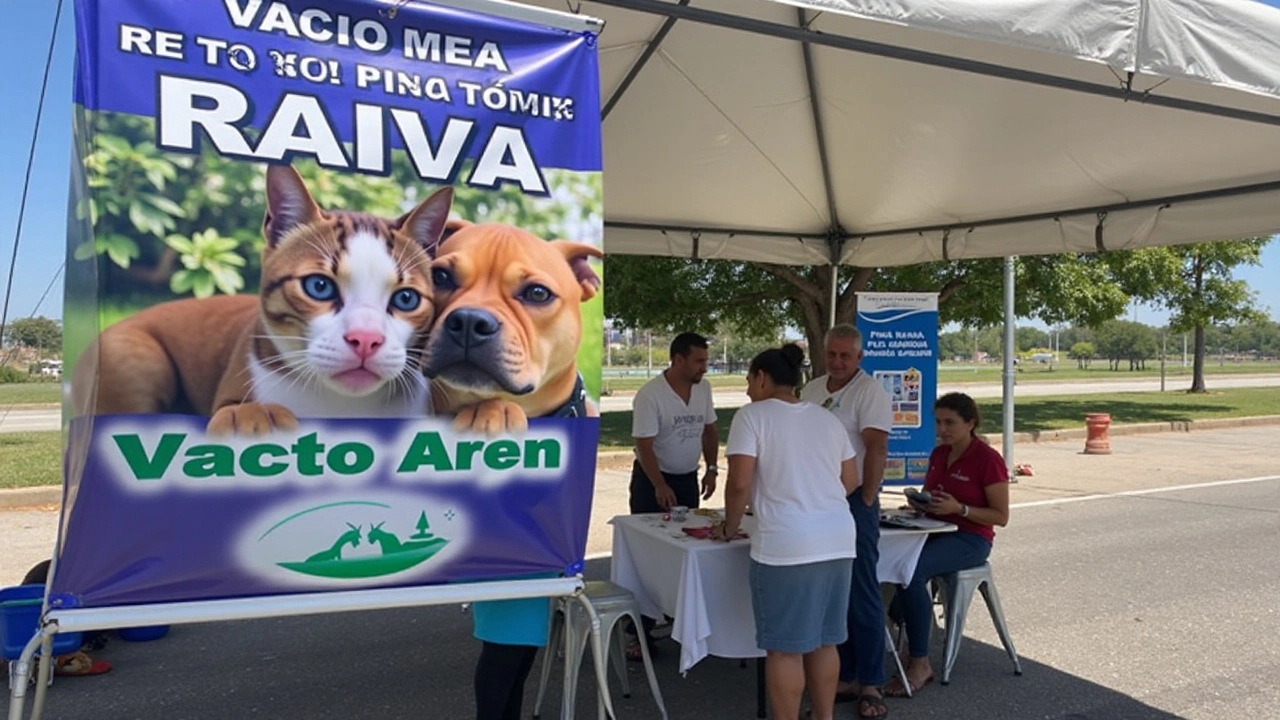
[418,664]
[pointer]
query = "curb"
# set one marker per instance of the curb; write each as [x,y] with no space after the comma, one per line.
[32,497]
[1139,429]
[21,498]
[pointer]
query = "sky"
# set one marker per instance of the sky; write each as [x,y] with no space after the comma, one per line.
[24,43]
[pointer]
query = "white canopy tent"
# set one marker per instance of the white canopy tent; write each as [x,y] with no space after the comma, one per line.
[876,133]
[891,132]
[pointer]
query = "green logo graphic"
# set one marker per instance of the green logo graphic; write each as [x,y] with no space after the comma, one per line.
[396,555]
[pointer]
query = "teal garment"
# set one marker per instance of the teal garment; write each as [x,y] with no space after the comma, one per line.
[514,622]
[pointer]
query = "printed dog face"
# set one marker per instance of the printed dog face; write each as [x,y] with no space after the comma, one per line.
[509,306]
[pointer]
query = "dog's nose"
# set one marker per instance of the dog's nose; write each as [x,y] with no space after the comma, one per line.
[471,326]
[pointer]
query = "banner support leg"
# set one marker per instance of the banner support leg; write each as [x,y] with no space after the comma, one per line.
[45,665]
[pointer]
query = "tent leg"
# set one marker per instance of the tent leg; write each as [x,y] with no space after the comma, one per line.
[45,666]
[1010,348]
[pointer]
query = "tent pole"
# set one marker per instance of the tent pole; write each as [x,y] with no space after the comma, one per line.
[835,294]
[1010,369]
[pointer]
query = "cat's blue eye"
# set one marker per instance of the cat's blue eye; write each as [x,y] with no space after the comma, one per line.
[320,288]
[537,294]
[406,300]
[442,279]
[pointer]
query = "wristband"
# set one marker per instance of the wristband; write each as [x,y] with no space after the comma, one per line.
[964,511]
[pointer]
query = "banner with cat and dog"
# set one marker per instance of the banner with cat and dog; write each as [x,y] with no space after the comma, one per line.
[333,308]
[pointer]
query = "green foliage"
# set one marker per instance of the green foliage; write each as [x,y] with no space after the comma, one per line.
[1120,340]
[1029,338]
[1083,352]
[11,374]
[141,199]
[37,332]
[209,262]
[1194,282]
[668,293]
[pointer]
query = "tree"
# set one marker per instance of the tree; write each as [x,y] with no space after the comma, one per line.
[1122,340]
[41,333]
[1195,283]
[762,298]
[955,345]
[423,526]
[1029,338]
[1083,352]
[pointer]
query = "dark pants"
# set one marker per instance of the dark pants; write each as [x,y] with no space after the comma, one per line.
[943,553]
[862,655]
[645,500]
[500,676]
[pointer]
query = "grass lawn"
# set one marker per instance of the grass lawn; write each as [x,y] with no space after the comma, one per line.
[43,393]
[28,459]
[1035,372]
[633,382]
[1053,412]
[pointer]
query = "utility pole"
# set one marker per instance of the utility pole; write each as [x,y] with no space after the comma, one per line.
[1163,349]
[648,373]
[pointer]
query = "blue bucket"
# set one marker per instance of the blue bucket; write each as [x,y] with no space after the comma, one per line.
[20,619]
[143,634]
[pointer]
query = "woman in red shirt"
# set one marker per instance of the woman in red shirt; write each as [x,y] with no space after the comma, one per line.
[970,487]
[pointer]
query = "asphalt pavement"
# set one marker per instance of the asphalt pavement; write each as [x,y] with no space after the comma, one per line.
[1138,585]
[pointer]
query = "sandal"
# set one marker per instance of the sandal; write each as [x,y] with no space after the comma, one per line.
[872,706]
[79,664]
[897,689]
[634,654]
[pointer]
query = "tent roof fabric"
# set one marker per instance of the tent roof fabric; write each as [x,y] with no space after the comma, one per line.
[890,132]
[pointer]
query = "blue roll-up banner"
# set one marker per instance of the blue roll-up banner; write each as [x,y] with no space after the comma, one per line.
[333,308]
[900,346]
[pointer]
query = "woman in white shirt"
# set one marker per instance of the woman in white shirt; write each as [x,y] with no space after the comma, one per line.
[795,463]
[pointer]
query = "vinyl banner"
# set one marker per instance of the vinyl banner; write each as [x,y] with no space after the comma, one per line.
[333,309]
[900,345]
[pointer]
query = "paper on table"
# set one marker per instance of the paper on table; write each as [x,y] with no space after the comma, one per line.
[912,521]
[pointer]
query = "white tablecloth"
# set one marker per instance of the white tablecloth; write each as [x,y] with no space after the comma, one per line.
[702,584]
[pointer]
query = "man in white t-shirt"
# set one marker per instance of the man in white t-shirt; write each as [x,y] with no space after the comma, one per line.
[674,423]
[863,407]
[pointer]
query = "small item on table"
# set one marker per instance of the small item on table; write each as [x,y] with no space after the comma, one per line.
[709,532]
[715,516]
[680,513]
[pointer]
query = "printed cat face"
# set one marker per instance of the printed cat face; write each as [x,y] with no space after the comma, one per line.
[346,296]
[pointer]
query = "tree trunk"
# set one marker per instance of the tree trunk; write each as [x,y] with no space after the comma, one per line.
[815,330]
[816,310]
[1197,365]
